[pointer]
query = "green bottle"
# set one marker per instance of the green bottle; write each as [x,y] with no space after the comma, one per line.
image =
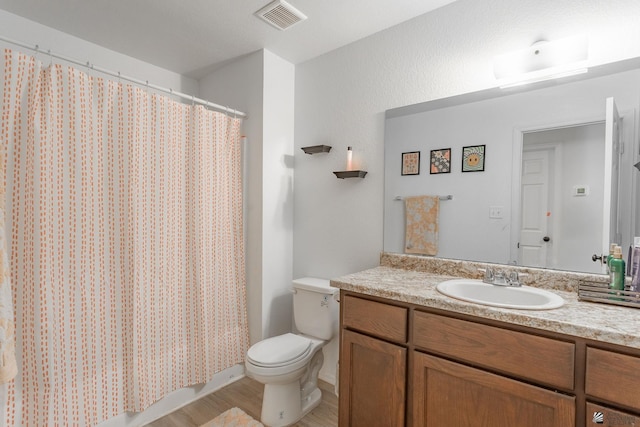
[617,269]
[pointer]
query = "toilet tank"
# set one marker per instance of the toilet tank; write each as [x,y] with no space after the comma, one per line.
[315,311]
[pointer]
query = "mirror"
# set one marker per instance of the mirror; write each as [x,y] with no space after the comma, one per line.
[490,208]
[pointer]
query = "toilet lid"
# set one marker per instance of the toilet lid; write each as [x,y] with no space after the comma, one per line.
[280,350]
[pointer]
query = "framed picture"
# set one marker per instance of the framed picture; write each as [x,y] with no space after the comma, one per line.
[440,161]
[411,163]
[473,158]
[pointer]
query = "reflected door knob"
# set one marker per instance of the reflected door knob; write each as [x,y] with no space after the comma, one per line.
[595,258]
[546,238]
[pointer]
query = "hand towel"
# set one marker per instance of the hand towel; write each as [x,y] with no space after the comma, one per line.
[421,232]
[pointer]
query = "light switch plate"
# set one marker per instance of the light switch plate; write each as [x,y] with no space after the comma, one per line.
[496,212]
[581,190]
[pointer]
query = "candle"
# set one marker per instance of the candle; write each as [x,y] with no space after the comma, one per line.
[349,159]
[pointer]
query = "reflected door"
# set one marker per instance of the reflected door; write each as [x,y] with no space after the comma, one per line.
[534,238]
[569,198]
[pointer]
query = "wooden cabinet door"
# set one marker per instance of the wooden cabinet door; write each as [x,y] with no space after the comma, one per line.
[372,382]
[454,395]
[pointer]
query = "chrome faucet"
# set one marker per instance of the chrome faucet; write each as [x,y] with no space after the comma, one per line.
[514,279]
[488,275]
[500,278]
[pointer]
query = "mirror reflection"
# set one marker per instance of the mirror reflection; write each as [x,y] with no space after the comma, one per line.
[557,186]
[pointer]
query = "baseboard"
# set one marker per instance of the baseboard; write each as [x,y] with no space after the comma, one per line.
[331,379]
[176,400]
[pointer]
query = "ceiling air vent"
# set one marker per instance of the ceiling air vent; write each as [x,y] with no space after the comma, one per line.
[280,14]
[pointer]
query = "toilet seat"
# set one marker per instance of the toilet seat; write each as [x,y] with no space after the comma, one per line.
[279,351]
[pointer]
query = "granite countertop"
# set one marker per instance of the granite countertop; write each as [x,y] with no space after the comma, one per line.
[602,322]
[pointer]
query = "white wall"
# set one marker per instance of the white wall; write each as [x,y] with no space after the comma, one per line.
[277,186]
[261,84]
[341,98]
[241,84]
[22,30]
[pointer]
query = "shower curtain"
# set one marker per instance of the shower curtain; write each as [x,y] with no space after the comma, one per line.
[125,240]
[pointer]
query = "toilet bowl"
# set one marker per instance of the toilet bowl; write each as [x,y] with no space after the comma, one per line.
[281,370]
[288,364]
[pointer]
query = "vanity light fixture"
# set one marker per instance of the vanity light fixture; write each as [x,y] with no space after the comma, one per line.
[544,60]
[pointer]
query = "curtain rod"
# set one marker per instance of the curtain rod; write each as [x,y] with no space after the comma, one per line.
[146,83]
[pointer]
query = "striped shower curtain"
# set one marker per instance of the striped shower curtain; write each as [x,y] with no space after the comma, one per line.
[125,244]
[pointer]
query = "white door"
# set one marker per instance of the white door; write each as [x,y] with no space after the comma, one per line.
[535,210]
[612,152]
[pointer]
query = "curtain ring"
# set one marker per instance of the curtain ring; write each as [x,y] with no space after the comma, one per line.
[50,58]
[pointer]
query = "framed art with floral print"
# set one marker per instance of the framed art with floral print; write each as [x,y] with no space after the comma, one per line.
[440,161]
[411,163]
[473,158]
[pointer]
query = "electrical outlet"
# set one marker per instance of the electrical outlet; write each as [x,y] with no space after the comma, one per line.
[496,212]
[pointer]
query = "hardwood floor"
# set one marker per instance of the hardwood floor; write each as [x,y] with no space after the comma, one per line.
[246,394]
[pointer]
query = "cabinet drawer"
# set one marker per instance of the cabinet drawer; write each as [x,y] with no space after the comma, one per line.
[614,377]
[375,318]
[543,360]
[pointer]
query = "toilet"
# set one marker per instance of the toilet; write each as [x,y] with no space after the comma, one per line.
[288,364]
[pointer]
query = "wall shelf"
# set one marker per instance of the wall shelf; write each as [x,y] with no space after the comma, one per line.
[314,149]
[350,174]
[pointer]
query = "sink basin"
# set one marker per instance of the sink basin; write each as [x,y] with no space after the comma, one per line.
[523,297]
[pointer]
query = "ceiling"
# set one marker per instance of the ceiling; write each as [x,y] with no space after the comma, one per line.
[194,37]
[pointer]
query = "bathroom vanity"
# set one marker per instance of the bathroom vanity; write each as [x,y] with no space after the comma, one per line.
[412,356]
